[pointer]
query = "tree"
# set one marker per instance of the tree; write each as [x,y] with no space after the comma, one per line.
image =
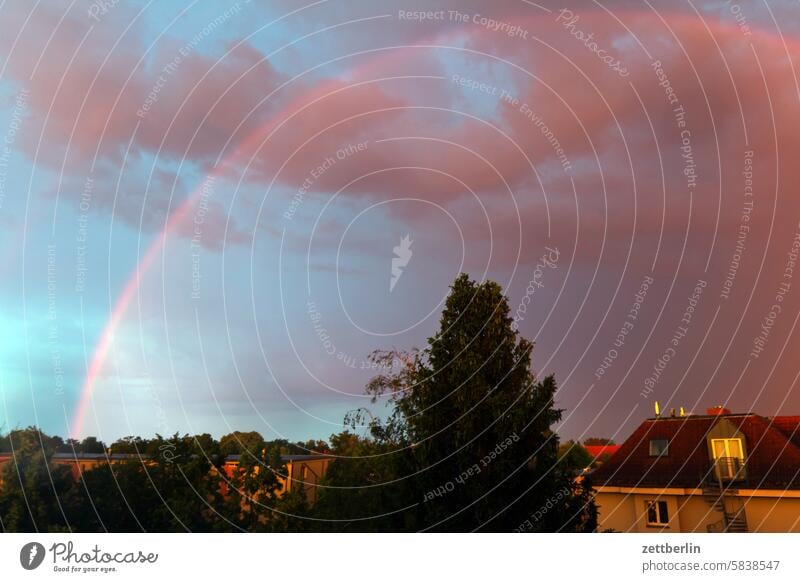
[30,498]
[129,445]
[168,487]
[239,442]
[255,488]
[573,457]
[359,487]
[69,446]
[312,447]
[470,427]
[113,497]
[91,445]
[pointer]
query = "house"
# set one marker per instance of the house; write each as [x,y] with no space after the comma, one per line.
[5,458]
[703,473]
[601,453]
[302,471]
[81,462]
[77,462]
[306,471]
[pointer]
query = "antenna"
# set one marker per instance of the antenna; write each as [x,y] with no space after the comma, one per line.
[658,410]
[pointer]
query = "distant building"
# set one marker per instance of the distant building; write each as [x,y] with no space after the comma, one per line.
[714,472]
[81,462]
[5,458]
[601,453]
[302,471]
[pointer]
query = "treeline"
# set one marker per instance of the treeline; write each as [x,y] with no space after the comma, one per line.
[234,443]
[163,484]
[467,444]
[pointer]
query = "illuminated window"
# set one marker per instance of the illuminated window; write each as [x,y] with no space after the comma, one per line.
[659,447]
[727,448]
[657,513]
[728,457]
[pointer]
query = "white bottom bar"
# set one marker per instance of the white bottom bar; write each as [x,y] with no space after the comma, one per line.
[407,557]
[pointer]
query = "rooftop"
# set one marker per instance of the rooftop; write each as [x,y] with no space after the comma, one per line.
[772,446]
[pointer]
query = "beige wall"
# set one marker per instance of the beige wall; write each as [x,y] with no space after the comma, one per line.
[772,514]
[314,471]
[624,510]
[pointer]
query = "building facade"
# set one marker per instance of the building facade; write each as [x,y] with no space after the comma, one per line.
[302,472]
[717,472]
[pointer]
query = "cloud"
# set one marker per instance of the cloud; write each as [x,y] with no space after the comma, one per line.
[579,157]
[619,135]
[102,99]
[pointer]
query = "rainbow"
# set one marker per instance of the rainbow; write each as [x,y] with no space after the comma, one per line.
[265,131]
[175,220]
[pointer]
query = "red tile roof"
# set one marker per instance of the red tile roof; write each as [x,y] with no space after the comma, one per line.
[597,450]
[789,426]
[773,459]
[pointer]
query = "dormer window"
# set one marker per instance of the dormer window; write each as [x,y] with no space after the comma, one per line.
[659,447]
[728,457]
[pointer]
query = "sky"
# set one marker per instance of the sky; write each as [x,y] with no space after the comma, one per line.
[211,213]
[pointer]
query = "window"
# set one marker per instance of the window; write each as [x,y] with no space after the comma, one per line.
[659,447]
[727,448]
[657,513]
[728,457]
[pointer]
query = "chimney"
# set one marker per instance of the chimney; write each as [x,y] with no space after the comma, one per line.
[717,411]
